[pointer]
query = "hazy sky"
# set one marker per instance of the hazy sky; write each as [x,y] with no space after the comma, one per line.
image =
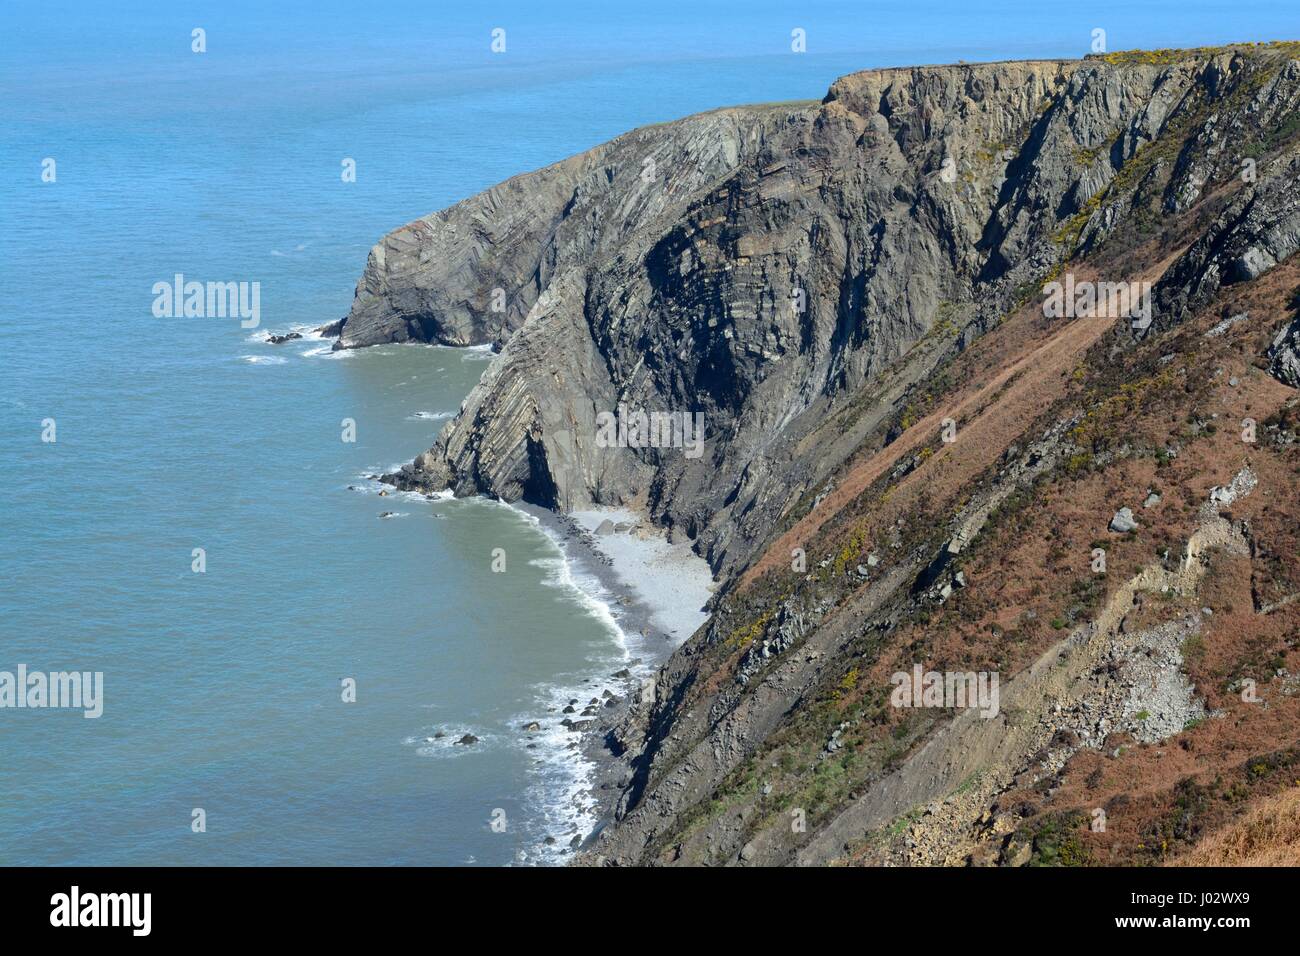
[56,33]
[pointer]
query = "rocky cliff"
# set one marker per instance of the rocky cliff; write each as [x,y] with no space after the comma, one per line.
[834,286]
[754,264]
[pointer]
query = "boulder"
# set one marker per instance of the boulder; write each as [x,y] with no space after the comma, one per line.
[1123,522]
[1284,354]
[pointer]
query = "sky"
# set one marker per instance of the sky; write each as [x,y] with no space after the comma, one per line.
[51,36]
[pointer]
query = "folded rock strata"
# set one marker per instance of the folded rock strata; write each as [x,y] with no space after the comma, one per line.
[756,264]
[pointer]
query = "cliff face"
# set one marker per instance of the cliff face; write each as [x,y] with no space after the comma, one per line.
[471,274]
[747,264]
[754,264]
[829,284]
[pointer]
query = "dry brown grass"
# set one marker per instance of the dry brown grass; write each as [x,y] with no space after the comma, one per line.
[1269,835]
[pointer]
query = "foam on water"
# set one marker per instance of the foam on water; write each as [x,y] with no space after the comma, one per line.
[427,744]
[562,774]
[307,330]
[562,779]
[329,352]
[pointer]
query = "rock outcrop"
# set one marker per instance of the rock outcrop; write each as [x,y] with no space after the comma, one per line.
[1284,354]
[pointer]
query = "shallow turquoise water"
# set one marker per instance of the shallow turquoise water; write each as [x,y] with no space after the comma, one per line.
[222,688]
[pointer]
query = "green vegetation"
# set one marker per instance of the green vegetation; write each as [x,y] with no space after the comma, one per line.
[746,634]
[1056,839]
[899,826]
[968,784]
[1106,421]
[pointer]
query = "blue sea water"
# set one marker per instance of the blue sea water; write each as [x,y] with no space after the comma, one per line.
[222,689]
